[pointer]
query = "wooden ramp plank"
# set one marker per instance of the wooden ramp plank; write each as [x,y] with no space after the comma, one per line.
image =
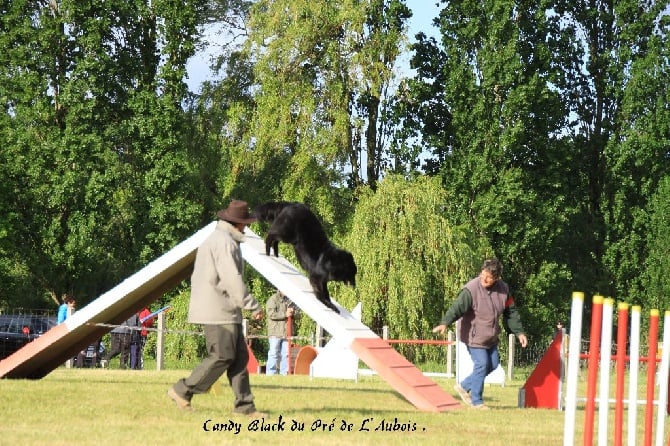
[292,282]
[403,376]
[348,330]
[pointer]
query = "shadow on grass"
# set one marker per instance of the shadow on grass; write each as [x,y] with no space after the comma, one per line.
[257,385]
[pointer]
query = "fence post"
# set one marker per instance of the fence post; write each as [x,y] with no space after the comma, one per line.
[318,342]
[450,349]
[68,363]
[510,356]
[160,341]
[385,332]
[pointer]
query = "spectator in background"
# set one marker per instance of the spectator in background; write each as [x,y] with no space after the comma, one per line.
[146,321]
[135,346]
[90,356]
[279,309]
[559,328]
[122,339]
[66,308]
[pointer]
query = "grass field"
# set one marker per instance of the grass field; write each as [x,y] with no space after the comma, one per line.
[119,407]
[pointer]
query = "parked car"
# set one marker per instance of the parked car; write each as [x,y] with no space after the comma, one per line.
[16,330]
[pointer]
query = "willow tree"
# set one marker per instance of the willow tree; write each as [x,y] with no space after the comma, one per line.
[411,260]
[321,69]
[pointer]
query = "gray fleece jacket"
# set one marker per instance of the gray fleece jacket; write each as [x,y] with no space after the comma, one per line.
[218,291]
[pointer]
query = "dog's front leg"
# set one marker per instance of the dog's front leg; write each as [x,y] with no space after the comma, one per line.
[269,242]
[320,287]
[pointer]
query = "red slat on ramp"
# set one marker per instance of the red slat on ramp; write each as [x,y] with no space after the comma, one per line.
[403,376]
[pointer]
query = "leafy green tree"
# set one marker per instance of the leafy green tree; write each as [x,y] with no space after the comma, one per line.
[636,154]
[612,56]
[222,114]
[655,280]
[91,119]
[378,50]
[547,121]
[185,343]
[321,70]
[485,108]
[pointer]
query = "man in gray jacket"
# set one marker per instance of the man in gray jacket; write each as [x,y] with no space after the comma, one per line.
[218,296]
[280,311]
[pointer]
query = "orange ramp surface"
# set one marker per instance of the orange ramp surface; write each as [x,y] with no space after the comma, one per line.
[52,349]
[403,376]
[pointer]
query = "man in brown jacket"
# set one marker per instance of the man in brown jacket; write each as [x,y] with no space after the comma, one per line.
[218,296]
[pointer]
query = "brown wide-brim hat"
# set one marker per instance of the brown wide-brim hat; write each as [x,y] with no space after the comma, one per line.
[236,212]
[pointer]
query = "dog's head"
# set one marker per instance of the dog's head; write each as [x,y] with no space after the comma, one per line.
[340,266]
[270,210]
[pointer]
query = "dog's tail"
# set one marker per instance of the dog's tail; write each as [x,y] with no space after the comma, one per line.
[269,211]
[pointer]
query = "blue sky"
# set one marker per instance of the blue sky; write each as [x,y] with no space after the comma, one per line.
[423,13]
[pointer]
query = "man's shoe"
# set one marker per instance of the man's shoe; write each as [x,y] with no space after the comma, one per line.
[481,407]
[181,403]
[465,396]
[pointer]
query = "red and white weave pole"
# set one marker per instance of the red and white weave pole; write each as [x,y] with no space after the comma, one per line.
[592,370]
[622,334]
[605,361]
[651,377]
[599,358]
[663,382]
[633,366]
[574,349]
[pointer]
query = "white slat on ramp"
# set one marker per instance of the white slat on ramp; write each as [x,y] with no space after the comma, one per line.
[292,282]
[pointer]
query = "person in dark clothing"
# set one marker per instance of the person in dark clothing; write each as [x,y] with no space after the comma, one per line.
[479,305]
[90,356]
[137,353]
[280,311]
[122,338]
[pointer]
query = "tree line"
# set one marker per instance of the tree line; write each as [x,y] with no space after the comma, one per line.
[536,131]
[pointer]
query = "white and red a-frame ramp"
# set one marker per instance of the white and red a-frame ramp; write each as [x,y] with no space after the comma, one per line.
[40,357]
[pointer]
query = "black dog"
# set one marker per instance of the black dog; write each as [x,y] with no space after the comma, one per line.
[296,224]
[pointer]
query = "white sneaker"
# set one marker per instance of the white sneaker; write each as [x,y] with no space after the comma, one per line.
[465,396]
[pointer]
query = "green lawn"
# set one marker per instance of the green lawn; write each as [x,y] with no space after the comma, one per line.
[118,407]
